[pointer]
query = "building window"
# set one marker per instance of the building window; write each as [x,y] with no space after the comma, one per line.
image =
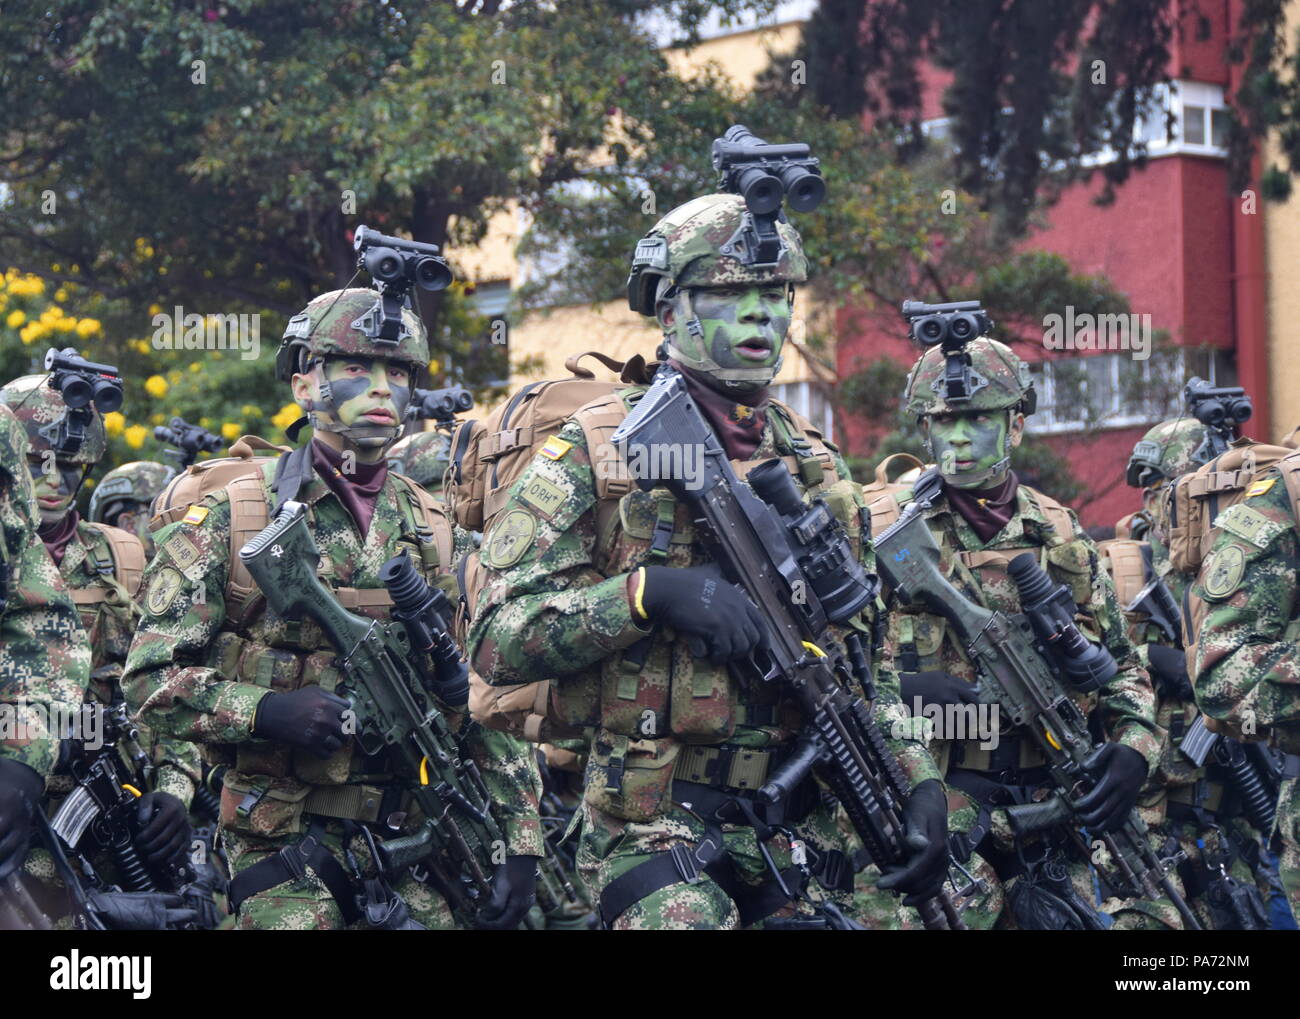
[1115,391]
[809,401]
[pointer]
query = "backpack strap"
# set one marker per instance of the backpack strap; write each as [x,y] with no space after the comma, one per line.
[1057,515]
[796,436]
[571,363]
[125,556]
[599,420]
[249,514]
[424,517]
[1127,566]
[459,445]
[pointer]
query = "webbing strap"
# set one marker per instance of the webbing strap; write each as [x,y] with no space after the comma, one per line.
[688,864]
[291,864]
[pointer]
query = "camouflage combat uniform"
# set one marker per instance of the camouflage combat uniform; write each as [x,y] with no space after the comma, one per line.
[671,735]
[44,655]
[1245,665]
[130,488]
[1194,805]
[983,780]
[199,667]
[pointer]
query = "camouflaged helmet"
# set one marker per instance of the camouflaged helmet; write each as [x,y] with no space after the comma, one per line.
[422,457]
[41,410]
[1165,452]
[139,481]
[695,245]
[999,380]
[347,322]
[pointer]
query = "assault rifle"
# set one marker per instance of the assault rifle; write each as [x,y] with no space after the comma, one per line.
[1024,662]
[99,814]
[794,562]
[392,692]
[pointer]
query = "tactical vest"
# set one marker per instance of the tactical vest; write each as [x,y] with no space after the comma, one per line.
[656,712]
[270,786]
[921,636]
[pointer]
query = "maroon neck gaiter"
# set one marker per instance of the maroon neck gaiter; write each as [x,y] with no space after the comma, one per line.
[57,536]
[737,418]
[358,490]
[987,510]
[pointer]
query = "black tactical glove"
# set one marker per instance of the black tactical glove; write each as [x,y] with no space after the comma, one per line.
[718,621]
[935,688]
[514,888]
[163,824]
[310,718]
[926,814]
[1118,772]
[1169,672]
[20,796]
[139,911]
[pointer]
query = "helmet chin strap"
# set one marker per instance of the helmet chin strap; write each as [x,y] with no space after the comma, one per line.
[687,324]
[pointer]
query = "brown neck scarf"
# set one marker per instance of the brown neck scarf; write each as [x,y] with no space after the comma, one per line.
[57,536]
[737,418]
[987,510]
[358,490]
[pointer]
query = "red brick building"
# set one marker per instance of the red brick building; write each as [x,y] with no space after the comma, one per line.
[1183,250]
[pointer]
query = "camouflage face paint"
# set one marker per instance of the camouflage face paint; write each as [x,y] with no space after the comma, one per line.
[744,327]
[968,447]
[55,488]
[368,398]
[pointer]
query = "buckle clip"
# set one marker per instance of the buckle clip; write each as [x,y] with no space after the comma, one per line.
[687,862]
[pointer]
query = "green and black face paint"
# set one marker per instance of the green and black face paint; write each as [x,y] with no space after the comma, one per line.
[348,395]
[732,334]
[973,449]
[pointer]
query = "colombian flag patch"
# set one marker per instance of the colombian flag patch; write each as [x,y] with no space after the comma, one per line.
[1260,487]
[555,448]
[196,515]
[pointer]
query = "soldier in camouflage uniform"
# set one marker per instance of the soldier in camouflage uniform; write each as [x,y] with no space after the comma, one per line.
[1245,664]
[256,690]
[101,566]
[603,587]
[981,518]
[124,495]
[1194,805]
[422,457]
[44,655]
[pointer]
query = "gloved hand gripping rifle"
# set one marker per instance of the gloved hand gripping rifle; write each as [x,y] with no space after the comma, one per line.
[795,564]
[1024,662]
[393,695]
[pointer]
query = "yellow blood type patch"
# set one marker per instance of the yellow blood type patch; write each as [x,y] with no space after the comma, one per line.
[509,538]
[555,448]
[163,589]
[196,515]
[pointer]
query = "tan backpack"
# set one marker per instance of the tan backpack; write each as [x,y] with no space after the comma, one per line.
[1201,495]
[242,476]
[488,456]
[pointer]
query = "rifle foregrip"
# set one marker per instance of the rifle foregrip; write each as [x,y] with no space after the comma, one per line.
[1027,817]
[793,770]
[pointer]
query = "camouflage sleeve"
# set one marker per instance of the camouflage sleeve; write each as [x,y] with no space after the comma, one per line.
[1246,660]
[44,654]
[903,734]
[462,544]
[168,682]
[1128,705]
[509,768]
[545,610]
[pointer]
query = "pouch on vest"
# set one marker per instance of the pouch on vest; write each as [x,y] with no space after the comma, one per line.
[630,778]
[258,805]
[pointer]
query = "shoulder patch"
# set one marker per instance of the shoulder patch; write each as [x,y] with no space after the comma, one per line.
[509,538]
[556,448]
[196,515]
[1223,572]
[183,551]
[1249,523]
[163,589]
[1260,487]
[543,496]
